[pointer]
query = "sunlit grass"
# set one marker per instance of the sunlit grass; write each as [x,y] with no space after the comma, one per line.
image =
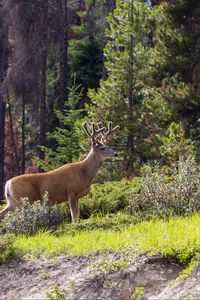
[178,237]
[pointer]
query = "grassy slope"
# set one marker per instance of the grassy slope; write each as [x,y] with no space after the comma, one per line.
[178,237]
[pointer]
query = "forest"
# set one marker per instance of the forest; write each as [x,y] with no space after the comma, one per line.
[137,66]
[135,63]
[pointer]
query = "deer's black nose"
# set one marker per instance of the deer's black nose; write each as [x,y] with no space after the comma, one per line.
[116,154]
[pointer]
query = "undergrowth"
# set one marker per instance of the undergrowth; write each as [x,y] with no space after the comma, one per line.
[109,197]
[29,218]
[178,237]
[116,222]
[156,194]
[164,193]
[7,249]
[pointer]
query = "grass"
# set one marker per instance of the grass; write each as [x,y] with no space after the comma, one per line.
[179,237]
[2,206]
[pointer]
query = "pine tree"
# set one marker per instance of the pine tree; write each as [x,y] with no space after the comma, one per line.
[122,97]
[85,50]
[67,139]
[174,68]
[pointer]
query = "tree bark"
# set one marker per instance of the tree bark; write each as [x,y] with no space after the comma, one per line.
[42,77]
[3,68]
[14,147]
[130,145]
[23,164]
[63,94]
[2,135]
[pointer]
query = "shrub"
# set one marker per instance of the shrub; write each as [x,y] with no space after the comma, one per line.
[109,197]
[106,198]
[28,218]
[116,222]
[7,251]
[161,194]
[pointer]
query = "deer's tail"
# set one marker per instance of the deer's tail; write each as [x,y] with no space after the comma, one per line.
[10,202]
[7,189]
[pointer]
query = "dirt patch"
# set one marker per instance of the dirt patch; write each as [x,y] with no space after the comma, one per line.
[106,276]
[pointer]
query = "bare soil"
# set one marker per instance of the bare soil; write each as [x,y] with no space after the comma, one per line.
[82,277]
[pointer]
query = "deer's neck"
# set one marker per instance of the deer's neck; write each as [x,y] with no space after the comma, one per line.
[90,166]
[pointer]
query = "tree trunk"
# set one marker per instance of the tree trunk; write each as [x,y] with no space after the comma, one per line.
[63,93]
[14,147]
[2,132]
[3,68]
[130,145]
[42,77]
[23,164]
[184,125]
[42,106]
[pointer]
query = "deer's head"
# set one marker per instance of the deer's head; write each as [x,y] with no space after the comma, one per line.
[99,136]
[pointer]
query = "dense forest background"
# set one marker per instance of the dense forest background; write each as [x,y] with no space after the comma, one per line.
[66,61]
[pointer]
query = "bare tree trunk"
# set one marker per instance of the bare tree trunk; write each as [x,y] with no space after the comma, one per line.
[13,135]
[2,135]
[63,93]
[42,77]
[42,106]
[130,145]
[3,68]
[23,164]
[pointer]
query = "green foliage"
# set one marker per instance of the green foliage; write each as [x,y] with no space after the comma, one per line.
[109,197]
[116,222]
[139,294]
[175,145]
[177,237]
[187,271]
[29,218]
[55,292]
[164,195]
[7,249]
[85,59]
[68,138]
[123,96]
[172,70]
[85,50]
[109,266]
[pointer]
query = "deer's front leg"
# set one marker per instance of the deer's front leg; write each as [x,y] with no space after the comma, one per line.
[74,208]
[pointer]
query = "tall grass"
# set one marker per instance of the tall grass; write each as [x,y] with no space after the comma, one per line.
[178,237]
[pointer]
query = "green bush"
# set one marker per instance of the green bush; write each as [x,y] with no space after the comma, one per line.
[116,222]
[7,251]
[109,197]
[161,195]
[30,217]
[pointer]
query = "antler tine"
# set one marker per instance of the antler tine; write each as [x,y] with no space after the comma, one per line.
[93,134]
[85,127]
[101,130]
[110,131]
[100,125]
[97,131]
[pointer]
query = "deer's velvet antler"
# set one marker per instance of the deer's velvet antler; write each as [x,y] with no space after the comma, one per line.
[99,133]
[94,133]
[109,132]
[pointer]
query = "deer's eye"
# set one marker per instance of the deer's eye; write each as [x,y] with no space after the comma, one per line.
[103,148]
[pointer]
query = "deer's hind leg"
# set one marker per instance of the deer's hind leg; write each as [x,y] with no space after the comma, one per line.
[11,204]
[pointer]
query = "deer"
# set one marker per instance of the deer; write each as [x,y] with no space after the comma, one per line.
[67,183]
